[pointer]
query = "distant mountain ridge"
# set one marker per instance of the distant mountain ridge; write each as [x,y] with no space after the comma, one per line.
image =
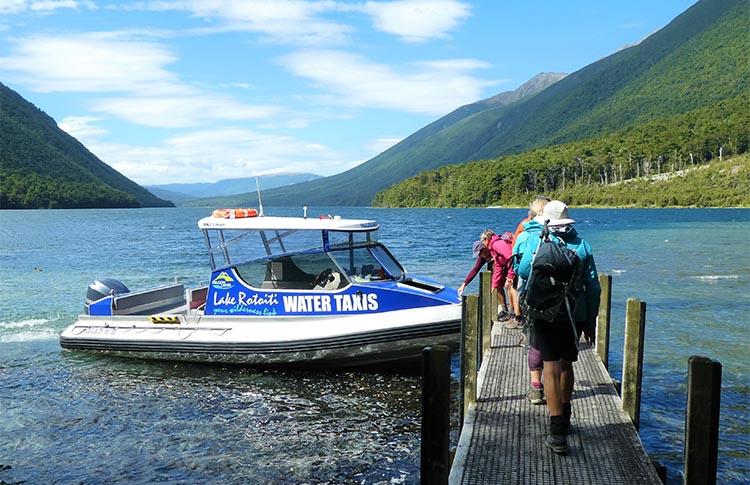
[187,191]
[42,167]
[359,185]
[699,58]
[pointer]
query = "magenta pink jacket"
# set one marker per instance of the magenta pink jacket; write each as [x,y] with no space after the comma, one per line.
[501,252]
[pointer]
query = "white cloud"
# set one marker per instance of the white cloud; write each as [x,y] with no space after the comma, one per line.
[351,80]
[417,20]
[90,62]
[304,22]
[281,21]
[632,25]
[379,145]
[15,6]
[148,93]
[214,154]
[47,5]
[11,6]
[82,127]
[236,85]
[192,109]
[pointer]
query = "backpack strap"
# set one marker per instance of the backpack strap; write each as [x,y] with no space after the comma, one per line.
[576,339]
[542,235]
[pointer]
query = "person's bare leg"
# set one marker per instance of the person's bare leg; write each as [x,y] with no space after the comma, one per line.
[514,301]
[536,375]
[552,387]
[501,298]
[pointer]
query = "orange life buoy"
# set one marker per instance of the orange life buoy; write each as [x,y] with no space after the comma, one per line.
[234,213]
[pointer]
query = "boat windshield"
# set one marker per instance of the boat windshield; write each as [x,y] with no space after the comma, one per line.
[229,247]
[367,263]
[316,270]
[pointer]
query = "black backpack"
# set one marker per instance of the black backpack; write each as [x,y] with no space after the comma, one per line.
[554,280]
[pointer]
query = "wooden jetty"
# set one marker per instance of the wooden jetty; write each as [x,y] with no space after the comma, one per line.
[502,440]
[502,434]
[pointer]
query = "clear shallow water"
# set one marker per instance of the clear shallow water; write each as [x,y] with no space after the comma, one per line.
[69,417]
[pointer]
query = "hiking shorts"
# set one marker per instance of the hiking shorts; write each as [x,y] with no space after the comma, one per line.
[555,340]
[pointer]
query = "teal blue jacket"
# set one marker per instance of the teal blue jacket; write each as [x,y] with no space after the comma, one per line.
[587,301]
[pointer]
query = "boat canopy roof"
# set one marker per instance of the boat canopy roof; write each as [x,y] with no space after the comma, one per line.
[263,223]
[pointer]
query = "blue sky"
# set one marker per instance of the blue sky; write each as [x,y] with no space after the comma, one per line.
[197,91]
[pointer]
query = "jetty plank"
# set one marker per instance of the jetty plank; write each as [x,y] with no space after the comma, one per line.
[503,441]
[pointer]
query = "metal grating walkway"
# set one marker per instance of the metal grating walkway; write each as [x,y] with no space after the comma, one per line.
[503,436]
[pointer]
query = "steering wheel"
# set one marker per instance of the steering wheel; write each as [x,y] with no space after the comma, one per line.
[324,277]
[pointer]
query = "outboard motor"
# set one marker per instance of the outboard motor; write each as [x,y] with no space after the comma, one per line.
[103,287]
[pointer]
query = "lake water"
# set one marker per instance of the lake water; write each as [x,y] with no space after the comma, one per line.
[70,417]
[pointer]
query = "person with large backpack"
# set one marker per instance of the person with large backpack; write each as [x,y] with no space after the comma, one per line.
[560,295]
[535,207]
[529,228]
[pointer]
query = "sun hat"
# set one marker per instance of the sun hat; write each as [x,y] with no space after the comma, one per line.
[556,212]
[476,247]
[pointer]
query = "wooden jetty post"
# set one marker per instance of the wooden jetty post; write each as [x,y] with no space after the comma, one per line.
[702,420]
[603,320]
[488,312]
[435,456]
[469,330]
[632,360]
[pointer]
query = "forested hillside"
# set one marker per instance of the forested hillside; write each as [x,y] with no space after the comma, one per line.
[42,167]
[697,60]
[715,184]
[599,170]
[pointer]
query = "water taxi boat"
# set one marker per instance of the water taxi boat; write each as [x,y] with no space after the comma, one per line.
[283,290]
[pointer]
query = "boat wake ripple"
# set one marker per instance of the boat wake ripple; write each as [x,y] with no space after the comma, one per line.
[716,277]
[27,330]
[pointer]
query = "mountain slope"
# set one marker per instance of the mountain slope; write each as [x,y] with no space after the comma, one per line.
[232,186]
[41,166]
[696,60]
[359,185]
[598,170]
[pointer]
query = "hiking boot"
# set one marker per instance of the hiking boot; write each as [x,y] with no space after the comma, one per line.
[556,440]
[557,443]
[536,396]
[503,316]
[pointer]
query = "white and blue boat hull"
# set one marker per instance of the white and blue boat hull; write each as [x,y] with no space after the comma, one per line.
[330,341]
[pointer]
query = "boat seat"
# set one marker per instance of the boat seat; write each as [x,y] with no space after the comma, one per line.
[150,302]
[334,283]
[196,297]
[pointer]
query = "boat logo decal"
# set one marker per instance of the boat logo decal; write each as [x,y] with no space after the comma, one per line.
[223,281]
